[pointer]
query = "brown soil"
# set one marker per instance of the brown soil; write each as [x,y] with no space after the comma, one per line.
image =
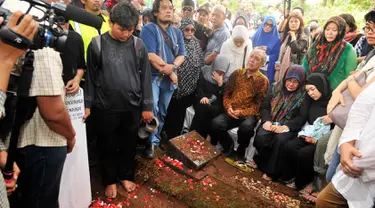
[225,186]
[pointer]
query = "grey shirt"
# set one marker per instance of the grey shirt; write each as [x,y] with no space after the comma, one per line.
[116,84]
[217,40]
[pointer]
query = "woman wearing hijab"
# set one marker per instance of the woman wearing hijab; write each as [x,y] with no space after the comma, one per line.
[294,45]
[330,54]
[298,161]
[237,49]
[279,115]
[268,38]
[241,20]
[209,99]
[188,76]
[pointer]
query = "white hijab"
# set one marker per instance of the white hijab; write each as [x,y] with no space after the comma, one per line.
[236,54]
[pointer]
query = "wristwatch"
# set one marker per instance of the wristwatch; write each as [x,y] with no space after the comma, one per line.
[174,67]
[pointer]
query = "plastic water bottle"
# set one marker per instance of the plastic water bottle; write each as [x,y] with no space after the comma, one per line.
[212,99]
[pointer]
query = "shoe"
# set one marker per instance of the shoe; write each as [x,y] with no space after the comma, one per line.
[150,151]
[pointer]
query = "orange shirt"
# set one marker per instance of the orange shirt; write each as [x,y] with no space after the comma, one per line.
[245,93]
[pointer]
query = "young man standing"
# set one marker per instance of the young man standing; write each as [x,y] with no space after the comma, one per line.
[118,91]
[166,51]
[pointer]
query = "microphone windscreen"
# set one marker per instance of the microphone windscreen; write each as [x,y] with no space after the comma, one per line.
[79,15]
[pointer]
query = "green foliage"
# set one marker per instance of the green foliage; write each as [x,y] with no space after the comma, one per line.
[315,11]
[322,14]
[363,4]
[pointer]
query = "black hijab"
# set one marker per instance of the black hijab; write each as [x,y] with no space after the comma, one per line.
[318,108]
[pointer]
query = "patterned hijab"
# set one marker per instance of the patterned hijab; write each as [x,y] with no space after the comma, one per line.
[188,73]
[323,56]
[283,102]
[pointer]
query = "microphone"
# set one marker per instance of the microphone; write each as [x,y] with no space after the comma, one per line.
[71,12]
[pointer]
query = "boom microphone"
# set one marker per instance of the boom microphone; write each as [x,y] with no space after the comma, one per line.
[71,12]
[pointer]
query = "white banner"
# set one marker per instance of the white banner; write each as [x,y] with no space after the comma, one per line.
[75,188]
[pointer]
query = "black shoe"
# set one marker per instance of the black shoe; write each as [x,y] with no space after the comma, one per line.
[150,152]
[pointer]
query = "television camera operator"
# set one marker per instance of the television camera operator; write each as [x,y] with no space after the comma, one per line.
[48,136]
[8,56]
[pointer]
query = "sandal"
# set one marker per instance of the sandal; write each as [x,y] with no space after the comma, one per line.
[251,163]
[239,165]
[292,185]
[306,190]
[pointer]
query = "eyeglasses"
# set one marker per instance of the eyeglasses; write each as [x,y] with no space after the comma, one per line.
[189,30]
[368,29]
[189,9]
[269,25]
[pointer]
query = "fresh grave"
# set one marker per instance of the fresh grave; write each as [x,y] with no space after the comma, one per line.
[192,150]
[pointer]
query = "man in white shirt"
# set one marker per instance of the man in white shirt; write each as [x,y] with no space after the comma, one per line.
[354,184]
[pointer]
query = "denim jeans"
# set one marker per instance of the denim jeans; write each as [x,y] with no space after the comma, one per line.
[39,180]
[162,97]
[335,161]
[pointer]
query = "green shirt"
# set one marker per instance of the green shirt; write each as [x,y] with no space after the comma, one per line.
[346,64]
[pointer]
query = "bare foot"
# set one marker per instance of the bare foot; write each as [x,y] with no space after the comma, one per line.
[128,185]
[307,190]
[111,191]
[266,177]
[311,197]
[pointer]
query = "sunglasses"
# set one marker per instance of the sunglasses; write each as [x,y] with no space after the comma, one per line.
[189,9]
[189,30]
[269,25]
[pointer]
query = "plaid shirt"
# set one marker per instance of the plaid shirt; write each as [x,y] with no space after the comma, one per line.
[2,101]
[4,203]
[47,81]
[3,194]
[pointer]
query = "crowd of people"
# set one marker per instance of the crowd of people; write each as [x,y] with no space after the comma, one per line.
[302,93]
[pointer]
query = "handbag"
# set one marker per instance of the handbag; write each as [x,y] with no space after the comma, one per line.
[340,113]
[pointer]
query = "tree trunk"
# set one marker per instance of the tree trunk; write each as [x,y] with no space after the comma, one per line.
[324,3]
[301,3]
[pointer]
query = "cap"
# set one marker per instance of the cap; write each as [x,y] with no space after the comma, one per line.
[188,3]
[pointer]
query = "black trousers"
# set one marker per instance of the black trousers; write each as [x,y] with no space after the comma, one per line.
[299,162]
[117,138]
[270,147]
[176,115]
[222,123]
[204,114]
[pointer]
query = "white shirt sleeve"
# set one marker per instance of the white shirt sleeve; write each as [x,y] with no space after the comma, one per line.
[359,115]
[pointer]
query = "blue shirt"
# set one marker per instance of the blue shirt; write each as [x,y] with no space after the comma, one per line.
[153,42]
[217,40]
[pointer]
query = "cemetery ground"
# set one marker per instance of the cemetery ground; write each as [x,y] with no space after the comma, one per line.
[168,183]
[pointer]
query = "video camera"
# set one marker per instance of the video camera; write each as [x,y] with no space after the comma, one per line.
[50,33]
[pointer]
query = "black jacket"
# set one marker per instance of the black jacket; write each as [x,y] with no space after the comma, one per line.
[114,81]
